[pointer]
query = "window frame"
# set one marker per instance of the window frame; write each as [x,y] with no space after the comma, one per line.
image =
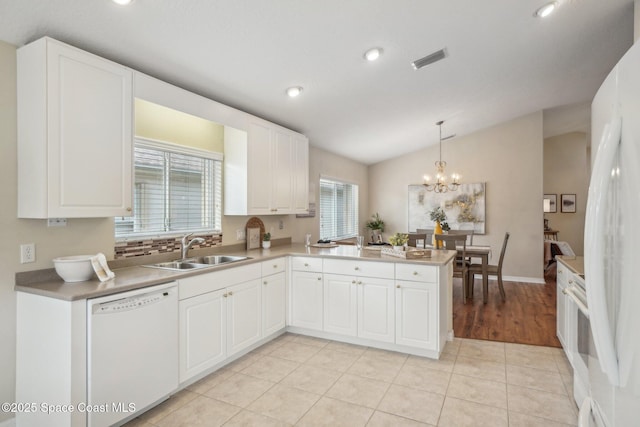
[355,206]
[217,171]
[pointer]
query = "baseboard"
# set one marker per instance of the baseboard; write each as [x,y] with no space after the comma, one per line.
[11,422]
[536,280]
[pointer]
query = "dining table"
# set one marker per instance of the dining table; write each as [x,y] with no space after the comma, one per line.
[483,253]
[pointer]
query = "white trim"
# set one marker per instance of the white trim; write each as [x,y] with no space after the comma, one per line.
[157,144]
[340,180]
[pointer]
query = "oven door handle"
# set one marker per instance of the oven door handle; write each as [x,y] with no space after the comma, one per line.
[571,292]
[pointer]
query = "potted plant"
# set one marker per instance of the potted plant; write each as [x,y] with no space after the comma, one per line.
[266,240]
[398,240]
[376,225]
[440,218]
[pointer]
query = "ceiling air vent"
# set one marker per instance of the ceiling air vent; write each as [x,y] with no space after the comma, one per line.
[429,59]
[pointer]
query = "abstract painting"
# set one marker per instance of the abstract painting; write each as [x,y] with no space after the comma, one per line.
[553,202]
[568,203]
[465,207]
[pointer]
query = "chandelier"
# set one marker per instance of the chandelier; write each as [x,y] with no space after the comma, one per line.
[441,186]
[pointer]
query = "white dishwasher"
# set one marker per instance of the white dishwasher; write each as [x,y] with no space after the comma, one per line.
[132,352]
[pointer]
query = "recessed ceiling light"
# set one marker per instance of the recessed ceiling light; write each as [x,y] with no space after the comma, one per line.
[122,2]
[294,91]
[373,53]
[546,10]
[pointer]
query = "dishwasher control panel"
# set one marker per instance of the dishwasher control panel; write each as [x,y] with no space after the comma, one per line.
[130,303]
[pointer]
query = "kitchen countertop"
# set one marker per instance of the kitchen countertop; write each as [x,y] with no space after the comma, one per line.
[136,277]
[574,263]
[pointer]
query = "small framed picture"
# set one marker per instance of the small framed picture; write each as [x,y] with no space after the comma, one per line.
[568,203]
[553,201]
[253,238]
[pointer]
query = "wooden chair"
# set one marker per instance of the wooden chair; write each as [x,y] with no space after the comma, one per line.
[428,232]
[493,270]
[414,237]
[455,242]
[468,233]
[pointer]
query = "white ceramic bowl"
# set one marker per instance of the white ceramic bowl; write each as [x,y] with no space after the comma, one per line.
[76,268]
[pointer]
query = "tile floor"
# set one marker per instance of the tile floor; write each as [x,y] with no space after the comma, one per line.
[298,380]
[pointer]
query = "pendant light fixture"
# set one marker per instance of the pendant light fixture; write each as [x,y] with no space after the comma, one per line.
[441,186]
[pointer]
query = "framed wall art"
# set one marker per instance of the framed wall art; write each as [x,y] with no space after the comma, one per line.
[553,199]
[465,207]
[568,203]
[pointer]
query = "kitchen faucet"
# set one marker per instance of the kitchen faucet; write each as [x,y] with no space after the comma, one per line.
[186,246]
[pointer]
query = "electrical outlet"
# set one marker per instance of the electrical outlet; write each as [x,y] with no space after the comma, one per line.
[240,235]
[281,224]
[27,253]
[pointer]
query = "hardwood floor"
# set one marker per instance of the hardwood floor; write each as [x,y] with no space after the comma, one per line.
[528,316]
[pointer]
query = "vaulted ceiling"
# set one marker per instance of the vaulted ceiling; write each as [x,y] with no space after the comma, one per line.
[502,62]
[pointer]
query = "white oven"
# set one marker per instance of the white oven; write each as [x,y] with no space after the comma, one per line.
[579,336]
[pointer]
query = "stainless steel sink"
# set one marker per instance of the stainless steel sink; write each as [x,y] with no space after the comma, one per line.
[216,259]
[198,262]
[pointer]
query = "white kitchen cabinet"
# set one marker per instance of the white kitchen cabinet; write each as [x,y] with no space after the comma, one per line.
[266,172]
[306,300]
[274,303]
[562,278]
[417,314]
[244,316]
[340,304]
[376,310]
[74,133]
[203,333]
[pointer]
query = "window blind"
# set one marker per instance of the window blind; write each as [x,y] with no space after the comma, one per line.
[173,193]
[338,209]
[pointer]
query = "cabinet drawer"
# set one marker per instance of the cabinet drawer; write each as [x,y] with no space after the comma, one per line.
[207,282]
[306,264]
[360,268]
[417,273]
[273,266]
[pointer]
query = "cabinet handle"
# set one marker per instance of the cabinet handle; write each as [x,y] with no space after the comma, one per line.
[265,283]
[359,282]
[306,264]
[353,282]
[230,293]
[570,281]
[564,291]
[128,209]
[319,278]
[415,273]
[398,286]
[224,295]
[275,265]
[357,268]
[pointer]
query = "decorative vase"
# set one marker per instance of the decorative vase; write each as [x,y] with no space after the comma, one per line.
[376,236]
[266,244]
[398,248]
[437,230]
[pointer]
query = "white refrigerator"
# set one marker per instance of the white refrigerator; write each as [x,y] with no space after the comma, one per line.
[612,250]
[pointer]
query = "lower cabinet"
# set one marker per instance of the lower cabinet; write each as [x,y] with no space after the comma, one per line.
[203,333]
[417,314]
[306,300]
[244,316]
[359,306]
[274,303]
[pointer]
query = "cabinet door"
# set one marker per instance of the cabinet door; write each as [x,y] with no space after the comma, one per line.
[202,333]
[273,303]
[244,315]
[282,169]
[306,300]
[300,170]
[417,314]
[561,304]
[260,173]
[90,134]
[340,304]
[376,309]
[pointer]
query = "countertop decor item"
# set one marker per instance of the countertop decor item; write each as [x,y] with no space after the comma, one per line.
[398,240]
[75,268]
[376,225]
[266,240]
[254,222]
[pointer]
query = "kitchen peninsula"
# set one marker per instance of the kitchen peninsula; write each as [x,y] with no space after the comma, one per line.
[341,293]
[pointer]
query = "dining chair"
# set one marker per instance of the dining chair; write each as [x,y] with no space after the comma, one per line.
[468,233]
[493,270]
[428,232]
[455,242]
[415,237]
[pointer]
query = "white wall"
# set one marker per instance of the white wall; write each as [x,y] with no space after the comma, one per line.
[508,157]
[566,166]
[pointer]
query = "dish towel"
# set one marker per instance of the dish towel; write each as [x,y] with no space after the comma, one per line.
[99,263]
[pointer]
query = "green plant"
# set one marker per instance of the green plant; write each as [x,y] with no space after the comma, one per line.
[438,215]
[445,226]
[266,237]
[399,239]
[376,223]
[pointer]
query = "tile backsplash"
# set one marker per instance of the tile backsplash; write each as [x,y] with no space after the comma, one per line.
[135,248]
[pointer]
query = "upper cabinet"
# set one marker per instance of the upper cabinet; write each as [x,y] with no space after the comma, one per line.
[266,171]
[74,133]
